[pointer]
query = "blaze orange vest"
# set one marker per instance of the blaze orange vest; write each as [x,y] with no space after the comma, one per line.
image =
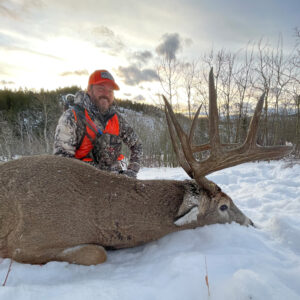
[87,144]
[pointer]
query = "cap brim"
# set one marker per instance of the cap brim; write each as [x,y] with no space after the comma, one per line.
[115,86]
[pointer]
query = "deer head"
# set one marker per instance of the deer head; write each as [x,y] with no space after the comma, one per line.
[215,206]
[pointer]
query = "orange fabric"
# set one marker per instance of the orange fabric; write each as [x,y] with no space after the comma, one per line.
[74,113]
[112,126]
[86,145]
[87,159]
[121,156]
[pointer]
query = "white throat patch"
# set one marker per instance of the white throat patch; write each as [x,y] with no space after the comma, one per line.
[188,218]
[189,208]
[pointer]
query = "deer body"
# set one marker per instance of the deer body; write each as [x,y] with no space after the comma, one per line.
[53,202]
[49,204]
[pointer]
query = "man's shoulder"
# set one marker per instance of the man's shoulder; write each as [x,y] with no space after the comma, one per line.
[67,118]
[121,117]
[80,98]
[76,108]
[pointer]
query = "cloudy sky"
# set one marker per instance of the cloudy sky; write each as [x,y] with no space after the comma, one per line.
[57,43]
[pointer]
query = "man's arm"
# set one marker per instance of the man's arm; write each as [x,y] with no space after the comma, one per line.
[65,140]
[131,139]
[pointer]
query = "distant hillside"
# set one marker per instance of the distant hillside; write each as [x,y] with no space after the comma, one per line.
[28,121]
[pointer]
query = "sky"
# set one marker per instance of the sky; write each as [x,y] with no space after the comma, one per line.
[58,43]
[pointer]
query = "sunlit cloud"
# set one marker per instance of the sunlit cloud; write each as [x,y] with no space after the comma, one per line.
[12,42]
[139,98]
[18,8]
[4,82]
[15,48]
[77,73]
[105,38]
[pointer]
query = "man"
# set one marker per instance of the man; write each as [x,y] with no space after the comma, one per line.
[92,130]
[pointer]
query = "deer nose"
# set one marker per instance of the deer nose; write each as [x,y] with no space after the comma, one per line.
[248,222]
[251,223]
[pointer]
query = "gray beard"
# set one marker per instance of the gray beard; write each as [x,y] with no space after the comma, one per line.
[100,109]
[103,111]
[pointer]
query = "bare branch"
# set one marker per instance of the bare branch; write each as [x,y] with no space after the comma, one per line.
[213,116]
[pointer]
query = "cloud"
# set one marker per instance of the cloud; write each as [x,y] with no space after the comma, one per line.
[139,98]
[133,75]
[188,42]
[36,52]
[76,73]
[142,56]
[170,45]
[17,9]
[104,37]
[103,31]
[4,82]
[9,43]
[6,12]
[16,48]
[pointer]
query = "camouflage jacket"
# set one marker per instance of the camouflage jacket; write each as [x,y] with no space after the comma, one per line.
[69,134]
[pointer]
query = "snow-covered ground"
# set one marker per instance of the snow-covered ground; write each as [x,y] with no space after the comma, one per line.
[243,263]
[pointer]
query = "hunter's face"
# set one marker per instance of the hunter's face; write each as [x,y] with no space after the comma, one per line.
[102,96]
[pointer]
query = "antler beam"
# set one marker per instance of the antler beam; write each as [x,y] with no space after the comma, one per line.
[220,157]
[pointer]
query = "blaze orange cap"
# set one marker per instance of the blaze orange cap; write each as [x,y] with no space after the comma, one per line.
[100,76]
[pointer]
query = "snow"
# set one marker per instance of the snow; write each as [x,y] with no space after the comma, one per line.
[243,263]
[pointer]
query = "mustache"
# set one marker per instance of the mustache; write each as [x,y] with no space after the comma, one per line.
[103,97]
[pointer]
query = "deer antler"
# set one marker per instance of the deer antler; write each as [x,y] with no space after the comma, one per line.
[220,157]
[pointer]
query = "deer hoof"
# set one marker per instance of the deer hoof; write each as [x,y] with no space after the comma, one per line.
[84,255]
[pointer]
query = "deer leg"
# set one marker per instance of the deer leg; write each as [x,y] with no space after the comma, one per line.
[87,254]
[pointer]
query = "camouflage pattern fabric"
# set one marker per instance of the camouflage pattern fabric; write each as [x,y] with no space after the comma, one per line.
[69,134]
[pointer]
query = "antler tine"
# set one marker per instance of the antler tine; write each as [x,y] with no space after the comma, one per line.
[250,141]
[193,169]
[213,117]
[177,150]
[204,147]
[183,138]
[194,124]
[255,152]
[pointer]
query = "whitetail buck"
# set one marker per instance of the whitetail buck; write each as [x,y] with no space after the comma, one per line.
[56,208]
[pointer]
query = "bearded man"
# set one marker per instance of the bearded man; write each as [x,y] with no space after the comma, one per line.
[92,129]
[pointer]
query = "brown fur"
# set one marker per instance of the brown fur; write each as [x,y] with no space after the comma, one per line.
[50,204]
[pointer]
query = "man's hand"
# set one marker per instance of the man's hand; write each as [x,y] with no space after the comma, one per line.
[129,173]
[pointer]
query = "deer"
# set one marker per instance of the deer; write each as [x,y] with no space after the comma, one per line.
[56,208]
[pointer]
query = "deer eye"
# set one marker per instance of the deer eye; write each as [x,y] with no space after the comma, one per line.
[223,207]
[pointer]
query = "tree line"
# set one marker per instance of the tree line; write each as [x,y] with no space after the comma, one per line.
[28,121]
